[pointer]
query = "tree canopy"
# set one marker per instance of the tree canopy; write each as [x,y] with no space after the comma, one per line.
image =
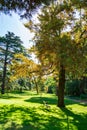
[9,45]
[59,46]
[23,7]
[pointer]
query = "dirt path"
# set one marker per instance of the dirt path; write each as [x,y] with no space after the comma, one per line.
[78,100]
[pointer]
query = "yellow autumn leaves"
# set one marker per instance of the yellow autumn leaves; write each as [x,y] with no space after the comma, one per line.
[23,67]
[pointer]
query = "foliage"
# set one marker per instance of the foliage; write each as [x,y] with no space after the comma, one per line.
[23,66]
[23,8]
[50,83]
[9,45]
[76,87]
[21,82]
[73,88]
[65,49]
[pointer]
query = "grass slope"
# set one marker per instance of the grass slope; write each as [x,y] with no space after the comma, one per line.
[27,111]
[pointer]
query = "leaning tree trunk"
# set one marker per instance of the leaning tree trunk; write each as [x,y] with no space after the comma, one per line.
[61,87]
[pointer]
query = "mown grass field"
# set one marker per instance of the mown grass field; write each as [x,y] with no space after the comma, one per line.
[27,111]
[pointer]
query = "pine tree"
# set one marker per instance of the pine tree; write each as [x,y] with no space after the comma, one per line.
[9,45]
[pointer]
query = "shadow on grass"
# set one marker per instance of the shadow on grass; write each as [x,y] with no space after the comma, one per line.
[40,100]
[75,121]
[15,94]
[49,100]
[22,118]
[39,118]
[8,97]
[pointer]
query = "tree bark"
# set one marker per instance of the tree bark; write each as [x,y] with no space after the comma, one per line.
[3,79]
[61,87]
[36,85]
[4,71]
[37,88]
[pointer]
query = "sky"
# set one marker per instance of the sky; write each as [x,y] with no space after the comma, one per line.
[15,24]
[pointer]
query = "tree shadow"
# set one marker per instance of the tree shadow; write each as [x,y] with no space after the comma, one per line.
[39,118]
[24,118]
[75,121]
[9,97]
[40,100]
[15,94]
[49,100]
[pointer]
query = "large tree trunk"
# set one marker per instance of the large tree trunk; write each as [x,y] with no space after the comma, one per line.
[61,87]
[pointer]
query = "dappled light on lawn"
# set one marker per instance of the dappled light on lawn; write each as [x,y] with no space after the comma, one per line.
[27,111]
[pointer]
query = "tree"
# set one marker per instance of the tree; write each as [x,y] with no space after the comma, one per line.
[24,7]
[58,47]
[21,82]
[24,67]
[9,45]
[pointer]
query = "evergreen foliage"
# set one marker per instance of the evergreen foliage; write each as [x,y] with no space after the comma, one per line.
[9,45]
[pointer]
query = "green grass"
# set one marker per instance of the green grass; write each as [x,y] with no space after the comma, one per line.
[26,111]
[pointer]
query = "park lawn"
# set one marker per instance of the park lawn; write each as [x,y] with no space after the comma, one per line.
[28,111]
